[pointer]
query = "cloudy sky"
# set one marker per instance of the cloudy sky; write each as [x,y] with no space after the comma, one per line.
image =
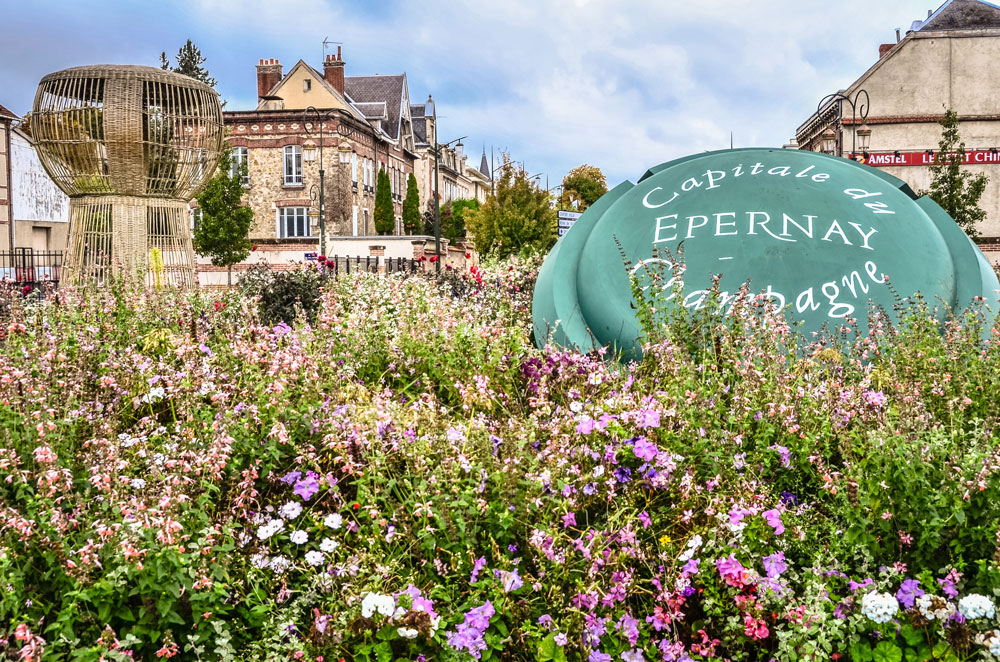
[622,85]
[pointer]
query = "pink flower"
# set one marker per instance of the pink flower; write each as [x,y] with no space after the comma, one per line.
[773,519]
[569,519]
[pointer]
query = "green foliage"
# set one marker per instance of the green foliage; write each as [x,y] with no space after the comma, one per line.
[189,60]
[581,187]
[222,233]
[454,229]
[517,218]
[284,296]
[385,216]
[953,187]
[411,206]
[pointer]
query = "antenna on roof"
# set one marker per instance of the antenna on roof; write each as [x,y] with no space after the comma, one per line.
[327,42]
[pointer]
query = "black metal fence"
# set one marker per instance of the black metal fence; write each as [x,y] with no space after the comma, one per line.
[353,264]
[27,266]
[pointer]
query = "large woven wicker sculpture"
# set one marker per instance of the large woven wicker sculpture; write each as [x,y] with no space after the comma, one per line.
[130,145]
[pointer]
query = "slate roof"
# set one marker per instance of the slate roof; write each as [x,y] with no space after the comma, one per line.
[484,167]
[373,89]
[372,111]
[420,130]
[6,113]
[963,15]
[418,110]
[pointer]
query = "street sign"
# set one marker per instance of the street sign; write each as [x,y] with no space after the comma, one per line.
[924,158]
[818,236]
[312,256]
[566,219]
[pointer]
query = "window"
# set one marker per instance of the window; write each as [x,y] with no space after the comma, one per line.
[293,165]
[293,222]
[354,168]
[195,218]
[354,222]
[239,160]
[306,85]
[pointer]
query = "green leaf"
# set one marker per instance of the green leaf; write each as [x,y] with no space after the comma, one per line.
[887,652]
[383,652]
[910,635]
[547,648]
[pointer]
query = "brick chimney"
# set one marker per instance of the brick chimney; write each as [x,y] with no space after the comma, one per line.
[883,49]
[268,75]
[333,71]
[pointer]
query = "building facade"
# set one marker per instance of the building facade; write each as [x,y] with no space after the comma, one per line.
[945,61]
[40,209]
[364,126]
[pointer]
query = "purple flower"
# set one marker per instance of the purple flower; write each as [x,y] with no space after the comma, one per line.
[645,449]
[598,656]
[854,586]
[875,398]
[586,426]
[545,621]
[789,499]
[948,586]
[496,441]
[291,477]
[205,349]
[634,655]
[773,519]
[908,592]
[648,418]
[511,580]
[468,635]
[589,489]
[623,474]
[690,568]
[568,520]
[786,455]
[628,625]
[645,519]
[774,565]
[477,568]
[307,487]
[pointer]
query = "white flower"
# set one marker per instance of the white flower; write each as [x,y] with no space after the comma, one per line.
[376,602]
[154,394]
[314,558]
[975,606]
[576,406]
[598,471]
[290,510]
[279,564]
[879,607]
[270,529]
[260,561]
[334,521]
[934,607]
[992,640]
[329,544]
[407,633]
[138,483]
[299,537]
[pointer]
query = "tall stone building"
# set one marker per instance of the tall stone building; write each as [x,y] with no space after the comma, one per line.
[366,127]
[945,61]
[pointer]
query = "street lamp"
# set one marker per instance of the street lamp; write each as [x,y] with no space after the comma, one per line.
[437,197]
[344,131]
[859,107]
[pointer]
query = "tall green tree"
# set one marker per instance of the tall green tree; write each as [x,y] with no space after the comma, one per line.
[385,217]
[581,187]
[953,187]
[411,206]
[222,233]
[518,217]
[455,229]
[189,60]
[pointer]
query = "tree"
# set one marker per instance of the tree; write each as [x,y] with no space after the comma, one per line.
[189,60]
[455,229]
[953,187]
[225,221]
[411,206]
[515,218]
[581,187]
[385,221]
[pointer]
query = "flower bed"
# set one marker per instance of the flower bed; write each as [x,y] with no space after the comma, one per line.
[406,477]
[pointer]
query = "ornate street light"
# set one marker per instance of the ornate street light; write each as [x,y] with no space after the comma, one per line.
[859,108]
[864,136]
[437,196]
[828,142]
[345,132]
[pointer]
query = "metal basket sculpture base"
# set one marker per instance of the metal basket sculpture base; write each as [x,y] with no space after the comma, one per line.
[113,235]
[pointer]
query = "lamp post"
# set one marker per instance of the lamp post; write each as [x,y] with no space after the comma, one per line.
[437,197]
[343,131]
[859,107]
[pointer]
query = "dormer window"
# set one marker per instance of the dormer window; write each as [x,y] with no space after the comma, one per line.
[307,85]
